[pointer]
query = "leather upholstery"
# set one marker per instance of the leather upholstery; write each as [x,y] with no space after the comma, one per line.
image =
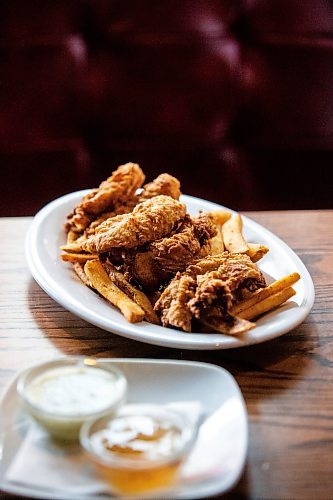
[235,97]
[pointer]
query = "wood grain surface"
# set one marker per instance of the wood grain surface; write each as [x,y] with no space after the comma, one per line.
[287,383]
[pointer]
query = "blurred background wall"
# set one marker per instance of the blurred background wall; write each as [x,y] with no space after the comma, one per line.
[234,97]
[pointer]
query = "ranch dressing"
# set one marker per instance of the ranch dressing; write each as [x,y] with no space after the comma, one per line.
[73,390]
[60,395]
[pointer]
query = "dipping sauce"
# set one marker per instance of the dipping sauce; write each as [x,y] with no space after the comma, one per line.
[141,449]
[61,394]
[72,390]
[138,436]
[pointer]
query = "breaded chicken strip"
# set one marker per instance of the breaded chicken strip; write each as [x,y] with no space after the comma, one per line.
[114,191]
[173,303]
[207,290]
[146,271]
[119,210]
[153,265]
[190,241]
[163,184]
[149,221]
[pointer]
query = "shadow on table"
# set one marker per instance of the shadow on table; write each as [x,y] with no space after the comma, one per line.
[282,358]
[72,335]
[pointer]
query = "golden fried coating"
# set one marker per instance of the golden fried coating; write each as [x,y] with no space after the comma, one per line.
[78,220]
[116,190]
[119,187]
[146,272]
[124,239]
[173,303]
[207,290]
[119,210]
[234,268]
[150,220]
[175,252]
[163,184]
[157,263]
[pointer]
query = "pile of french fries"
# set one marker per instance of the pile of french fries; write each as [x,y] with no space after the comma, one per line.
[136,306]
[265,299]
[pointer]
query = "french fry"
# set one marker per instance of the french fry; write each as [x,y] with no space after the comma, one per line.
[78,257]
[264,293]
[267,304]
[216,244]
[220,216]
[79,269]
[139,297]
[256,251]
[74,247]
[102,283]
[233,236]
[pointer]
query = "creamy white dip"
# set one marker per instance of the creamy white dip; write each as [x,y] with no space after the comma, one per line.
[73,390]
[61,395]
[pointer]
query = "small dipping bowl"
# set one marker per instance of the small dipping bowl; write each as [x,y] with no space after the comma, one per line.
[62,394]
[140,449]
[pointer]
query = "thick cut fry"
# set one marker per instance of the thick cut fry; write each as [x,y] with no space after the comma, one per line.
[264,293]
[216,244]
[267,304]
[102,283]
[256,251]
[220,216]
[78,257]
[233,236]
[72,248]
[139,297]
[79,269]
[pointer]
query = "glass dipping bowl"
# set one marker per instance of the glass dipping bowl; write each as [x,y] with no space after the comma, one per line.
[62,394]
[139,449]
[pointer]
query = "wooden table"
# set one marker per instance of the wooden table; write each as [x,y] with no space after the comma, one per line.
[287,383]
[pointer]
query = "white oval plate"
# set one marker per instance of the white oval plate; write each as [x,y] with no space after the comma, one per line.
[223,434]
[57,278]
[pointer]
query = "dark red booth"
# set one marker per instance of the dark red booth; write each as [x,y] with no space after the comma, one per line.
[234,97]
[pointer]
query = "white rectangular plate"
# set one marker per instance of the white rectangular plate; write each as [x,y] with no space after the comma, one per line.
[159,382]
